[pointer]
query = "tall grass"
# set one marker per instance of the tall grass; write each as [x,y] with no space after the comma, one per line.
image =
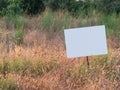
[59,21]
[45,66]
[55,21]
[42,73]
[17,24]
[8,84]
[26,67]
[101,72]
[112,24]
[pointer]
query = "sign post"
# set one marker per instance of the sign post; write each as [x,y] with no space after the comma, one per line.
[85,41]
[87,59]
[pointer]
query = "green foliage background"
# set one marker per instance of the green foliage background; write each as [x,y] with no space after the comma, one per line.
[32,7]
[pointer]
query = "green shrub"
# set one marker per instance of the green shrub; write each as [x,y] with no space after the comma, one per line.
[13,8]
[74,7]
[33,6]
[108,6]
[56,5]
[3,5]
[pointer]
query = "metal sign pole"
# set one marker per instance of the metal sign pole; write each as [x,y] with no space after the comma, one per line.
[87,59]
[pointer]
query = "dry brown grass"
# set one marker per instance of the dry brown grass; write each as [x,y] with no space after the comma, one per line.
[67,75]
[40,63]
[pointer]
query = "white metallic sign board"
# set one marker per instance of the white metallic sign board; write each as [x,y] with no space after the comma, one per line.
[86,41]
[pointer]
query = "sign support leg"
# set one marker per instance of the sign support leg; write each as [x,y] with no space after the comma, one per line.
[87,59]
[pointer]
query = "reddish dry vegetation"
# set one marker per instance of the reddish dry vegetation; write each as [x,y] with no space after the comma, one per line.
[50,69]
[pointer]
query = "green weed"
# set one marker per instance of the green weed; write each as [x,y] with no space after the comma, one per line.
[8,84]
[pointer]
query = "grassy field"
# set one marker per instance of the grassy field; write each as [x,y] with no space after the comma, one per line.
[33,56]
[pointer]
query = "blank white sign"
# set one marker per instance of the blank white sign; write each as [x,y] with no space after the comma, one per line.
[86,41]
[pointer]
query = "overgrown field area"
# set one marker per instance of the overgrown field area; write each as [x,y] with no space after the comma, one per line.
[33,52]
[33,56]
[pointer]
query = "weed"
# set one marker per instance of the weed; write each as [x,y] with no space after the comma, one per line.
[47,20]
[19,36]
[8,84]
[41,67]
[21,66]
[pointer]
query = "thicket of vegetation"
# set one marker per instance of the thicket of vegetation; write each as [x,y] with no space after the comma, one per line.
[31,7]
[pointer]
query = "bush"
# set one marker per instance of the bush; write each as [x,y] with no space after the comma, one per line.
[3,5]
[74,7]
[52,4]
[33,6]
[109,6]
[13,7]
[78,7]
